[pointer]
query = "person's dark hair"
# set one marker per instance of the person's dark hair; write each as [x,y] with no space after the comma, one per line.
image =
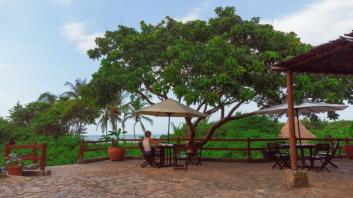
[148,133]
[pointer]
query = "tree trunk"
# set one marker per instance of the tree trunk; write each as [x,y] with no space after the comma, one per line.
[191,128]
[135,130]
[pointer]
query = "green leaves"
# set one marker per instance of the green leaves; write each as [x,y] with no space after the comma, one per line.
[222,61]
[114,135]
[198,60]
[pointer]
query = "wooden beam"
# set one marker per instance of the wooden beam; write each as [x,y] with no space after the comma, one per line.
[292,137]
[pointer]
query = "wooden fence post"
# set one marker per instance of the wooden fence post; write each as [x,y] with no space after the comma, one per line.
[178,140]
[35,153]
[7,152]
[339,151]
[249,149]
[81,151]
[43,156]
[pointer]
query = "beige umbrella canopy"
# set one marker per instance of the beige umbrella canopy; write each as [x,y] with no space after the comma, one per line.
[170,108]
[304,132]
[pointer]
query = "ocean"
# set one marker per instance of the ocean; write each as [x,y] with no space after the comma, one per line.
[127,136]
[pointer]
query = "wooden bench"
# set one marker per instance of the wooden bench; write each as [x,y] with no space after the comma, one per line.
[34,157]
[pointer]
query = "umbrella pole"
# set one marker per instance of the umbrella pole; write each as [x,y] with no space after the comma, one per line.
[168,126]
[300,140]
[169,151]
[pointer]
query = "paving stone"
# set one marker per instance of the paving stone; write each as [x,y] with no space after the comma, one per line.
[127,179]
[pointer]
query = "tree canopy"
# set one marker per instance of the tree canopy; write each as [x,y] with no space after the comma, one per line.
[215,65]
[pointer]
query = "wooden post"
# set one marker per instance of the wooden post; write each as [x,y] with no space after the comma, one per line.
[35,153]
[249,149]
[7,152]
[339,147]
[292,137]
[81,151]
[43,157]
[177,140]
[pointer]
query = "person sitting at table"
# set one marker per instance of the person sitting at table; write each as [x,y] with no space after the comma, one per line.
[147,143]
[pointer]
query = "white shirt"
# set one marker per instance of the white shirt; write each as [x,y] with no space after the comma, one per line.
[146,144]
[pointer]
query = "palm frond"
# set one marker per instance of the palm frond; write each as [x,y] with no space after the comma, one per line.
[47,97]
[150,120]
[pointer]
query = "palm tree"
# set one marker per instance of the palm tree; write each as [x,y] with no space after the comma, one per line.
[136,105]
[47,97]
[111,113]
[75,88]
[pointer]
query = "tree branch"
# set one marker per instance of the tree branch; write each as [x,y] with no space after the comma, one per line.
[198,120]
[145,97]
[213,110]
[199,107]
[221,122]
[222,112]
[234,108]
[205,108]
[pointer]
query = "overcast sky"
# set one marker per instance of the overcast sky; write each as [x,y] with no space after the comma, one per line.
[43,44]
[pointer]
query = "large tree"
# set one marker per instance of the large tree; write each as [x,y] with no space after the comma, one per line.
[216,66]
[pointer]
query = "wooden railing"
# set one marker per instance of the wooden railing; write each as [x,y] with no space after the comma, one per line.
[84,149]
[249,149]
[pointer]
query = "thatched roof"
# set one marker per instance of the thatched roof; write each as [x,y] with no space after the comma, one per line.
[334,57]
[304,132]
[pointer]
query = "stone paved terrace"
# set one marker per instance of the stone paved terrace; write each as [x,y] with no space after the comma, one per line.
[211,179]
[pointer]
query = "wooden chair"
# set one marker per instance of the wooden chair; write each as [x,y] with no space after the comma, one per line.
[280,157]
[194,153]
[322,154]
[326,156]
[333,150]
[149,160]
[180,155]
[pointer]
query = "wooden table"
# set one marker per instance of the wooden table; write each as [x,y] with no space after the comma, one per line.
[165,154]
[310,147]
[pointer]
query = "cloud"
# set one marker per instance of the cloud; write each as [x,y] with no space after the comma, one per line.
[196,12]
[319,21]
[76,33]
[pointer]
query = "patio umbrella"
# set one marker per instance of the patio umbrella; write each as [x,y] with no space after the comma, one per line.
[170,108]
[303,109]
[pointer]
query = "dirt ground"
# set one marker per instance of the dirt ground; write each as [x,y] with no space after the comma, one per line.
[211,179]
